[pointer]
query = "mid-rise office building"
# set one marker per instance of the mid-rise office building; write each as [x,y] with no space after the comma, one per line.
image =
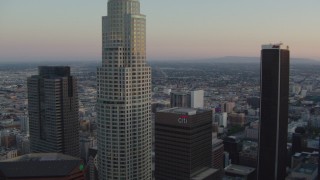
[187,99]
[304,166]
[233,146]
[86,143]
[248,157]
[92,164]
[274,112]
[24,122]
[236,119]
[124,95]
[183,144]
[299,140]
[23,144]
[221,118]
[197,99]
[217,154]
[254,102]
[228,107]
[180,99]
[53,111]
[252,133]
[8,140]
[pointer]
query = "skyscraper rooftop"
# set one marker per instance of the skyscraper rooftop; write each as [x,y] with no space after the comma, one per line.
[41,165]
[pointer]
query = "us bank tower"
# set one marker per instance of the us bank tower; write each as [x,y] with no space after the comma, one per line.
[124,94]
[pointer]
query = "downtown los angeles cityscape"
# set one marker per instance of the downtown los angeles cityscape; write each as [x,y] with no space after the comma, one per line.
[127,118]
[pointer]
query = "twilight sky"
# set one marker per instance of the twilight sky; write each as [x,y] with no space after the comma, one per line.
[43,30]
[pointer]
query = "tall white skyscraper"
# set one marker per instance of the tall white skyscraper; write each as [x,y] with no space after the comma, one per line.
[124,94]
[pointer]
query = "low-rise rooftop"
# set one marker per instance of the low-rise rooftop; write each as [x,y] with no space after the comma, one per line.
[237,169]
[34,157]
[306,169]
[184,111]
[40,165]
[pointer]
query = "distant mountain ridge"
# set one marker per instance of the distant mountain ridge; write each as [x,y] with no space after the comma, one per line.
[233,60]
[239,59]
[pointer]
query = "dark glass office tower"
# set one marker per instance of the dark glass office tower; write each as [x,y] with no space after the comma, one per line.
[299,140]
[183,144]
[274,112]
[53,111]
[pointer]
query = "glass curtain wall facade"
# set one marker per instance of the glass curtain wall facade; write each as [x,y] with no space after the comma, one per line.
[275,60]
[53,111]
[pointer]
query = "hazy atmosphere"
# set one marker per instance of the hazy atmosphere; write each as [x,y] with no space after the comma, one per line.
[159,89]
[61,30]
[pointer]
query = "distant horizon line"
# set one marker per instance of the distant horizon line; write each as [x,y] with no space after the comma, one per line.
[221,58]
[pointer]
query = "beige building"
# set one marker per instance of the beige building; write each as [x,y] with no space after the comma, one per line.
[124,95]
[236,119]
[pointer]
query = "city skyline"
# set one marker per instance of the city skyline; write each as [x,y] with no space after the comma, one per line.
[209,29]
[115,114]
[234,84]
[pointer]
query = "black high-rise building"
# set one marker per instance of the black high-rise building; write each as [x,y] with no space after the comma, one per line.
[183,144]
[53,111]
[233,146]
[275,60]
[299,140]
